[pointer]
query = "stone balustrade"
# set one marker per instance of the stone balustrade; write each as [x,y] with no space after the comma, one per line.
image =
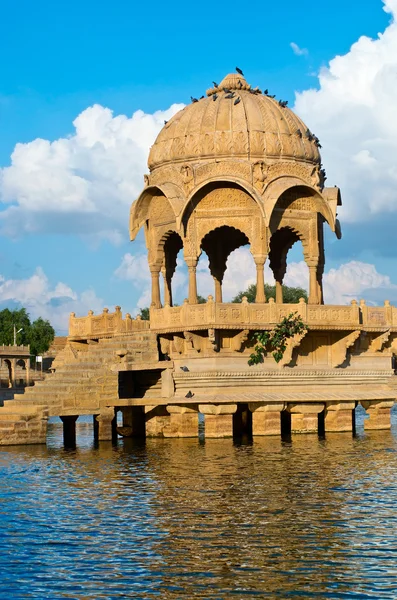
[14,351]
[262,316]
[105,325]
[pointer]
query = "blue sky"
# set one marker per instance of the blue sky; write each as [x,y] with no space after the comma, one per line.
[59,59]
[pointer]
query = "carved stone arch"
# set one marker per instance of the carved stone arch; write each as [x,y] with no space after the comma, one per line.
[219,182]
[279,186]
[139,211]
[167,249]
[218,244]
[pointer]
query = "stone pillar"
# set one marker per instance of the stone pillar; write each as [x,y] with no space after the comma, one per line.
[260,279]
[379,414]
[183,421]
[155,273]
[167,288]
[279,292]
[218,419]
[13,372]
[313,284]
[218,289]
[191,265]
[266,418]
[27,370]
[106,425]
[157,419]
[339,416]
[133,422]
[304,417]
[69,430]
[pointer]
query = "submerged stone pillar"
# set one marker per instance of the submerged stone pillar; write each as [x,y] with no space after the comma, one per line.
[69,430]
[106,430]
[218,419]
[157,419]
[266,418]
[304,417]
[183,421]
[379,414]
[133,422]
[339,416]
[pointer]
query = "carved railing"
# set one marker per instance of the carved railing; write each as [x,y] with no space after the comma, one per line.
[104,325]
[262,316]
[11,351]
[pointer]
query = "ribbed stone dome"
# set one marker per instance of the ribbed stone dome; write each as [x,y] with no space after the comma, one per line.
[234,120]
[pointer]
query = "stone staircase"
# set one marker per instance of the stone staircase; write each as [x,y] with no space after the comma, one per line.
[84,380]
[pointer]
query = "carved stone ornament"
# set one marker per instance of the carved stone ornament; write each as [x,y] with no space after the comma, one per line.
[259,173]
[292,343]
[340,348]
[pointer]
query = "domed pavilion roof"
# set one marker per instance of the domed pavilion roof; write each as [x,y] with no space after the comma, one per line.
[234,121]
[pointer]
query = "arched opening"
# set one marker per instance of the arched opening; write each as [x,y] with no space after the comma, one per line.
[9,380]
[240,274]
[298,215]
[281,243]
[218,244]
[172,248]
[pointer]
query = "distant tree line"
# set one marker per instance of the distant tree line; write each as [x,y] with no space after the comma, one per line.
[39,333]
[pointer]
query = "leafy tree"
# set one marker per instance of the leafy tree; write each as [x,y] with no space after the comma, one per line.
[144,314]
[201,299]
[275,341]
[41,336]
[19,318]
[38,334]
[291,295]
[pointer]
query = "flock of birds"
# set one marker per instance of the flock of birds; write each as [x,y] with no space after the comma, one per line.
[231,95]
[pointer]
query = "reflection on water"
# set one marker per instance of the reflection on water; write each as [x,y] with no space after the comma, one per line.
[307,518]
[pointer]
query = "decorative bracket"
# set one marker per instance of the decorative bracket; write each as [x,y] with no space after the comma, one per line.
[379,341]
[292,343]
[340,348]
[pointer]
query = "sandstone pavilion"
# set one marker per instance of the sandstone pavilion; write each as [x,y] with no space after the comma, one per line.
[235,167]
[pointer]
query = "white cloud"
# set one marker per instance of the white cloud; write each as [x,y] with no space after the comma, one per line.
[84,183]
[354,114]
[298,51]
[42,300]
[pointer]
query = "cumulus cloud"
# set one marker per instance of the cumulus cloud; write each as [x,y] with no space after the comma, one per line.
[298,51]
[353,112]
[84,183]
[54,303]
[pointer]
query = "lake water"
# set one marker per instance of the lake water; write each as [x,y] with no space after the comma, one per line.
[305,518]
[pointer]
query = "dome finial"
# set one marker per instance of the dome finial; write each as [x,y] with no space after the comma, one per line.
[233,81]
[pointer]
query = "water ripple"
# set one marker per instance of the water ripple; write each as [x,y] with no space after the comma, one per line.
[309,518]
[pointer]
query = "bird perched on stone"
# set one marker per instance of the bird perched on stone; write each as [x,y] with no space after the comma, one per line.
[239,71]
[215,84]
[193,99]
[215,97]
[266,92]
[283,103]
[227,91]
[299,133]
[201,97]
[231,95]
[189,394]
[185,369]
[237,100]
[165,122]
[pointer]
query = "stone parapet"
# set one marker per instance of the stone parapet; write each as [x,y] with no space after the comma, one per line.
[105,325]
